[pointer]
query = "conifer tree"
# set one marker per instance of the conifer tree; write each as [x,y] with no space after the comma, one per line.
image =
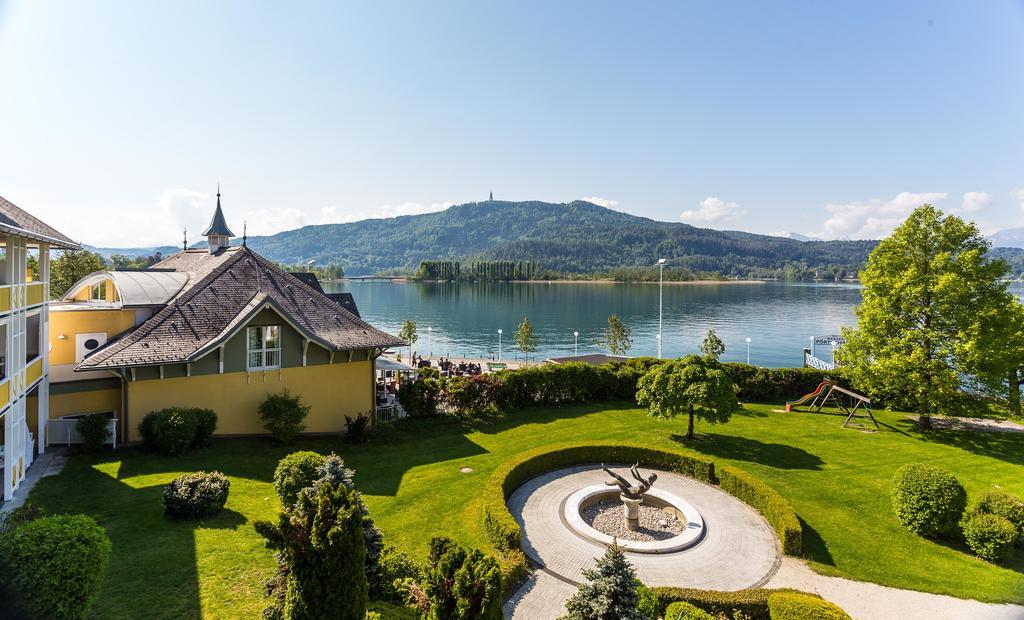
[611,592]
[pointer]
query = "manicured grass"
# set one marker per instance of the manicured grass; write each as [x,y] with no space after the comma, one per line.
[837,480]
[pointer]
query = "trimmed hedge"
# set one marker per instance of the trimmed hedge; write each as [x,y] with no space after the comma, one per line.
[504,533]
[196,495]
[752,602]
[681,610]
[1001,503]
[176,430]
[776,509]
[803,606]
[927,499]
[55,565]
[991,537]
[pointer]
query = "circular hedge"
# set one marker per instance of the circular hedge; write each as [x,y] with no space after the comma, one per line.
[990,536]
[57,565]
[927,499]
[802,606]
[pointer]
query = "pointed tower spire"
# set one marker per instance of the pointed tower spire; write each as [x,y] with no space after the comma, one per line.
[184,239]
[218,235]
[491,197]
[245,231]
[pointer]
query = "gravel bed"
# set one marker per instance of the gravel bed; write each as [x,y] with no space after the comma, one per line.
[655,524]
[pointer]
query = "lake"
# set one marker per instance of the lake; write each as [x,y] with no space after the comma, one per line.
[778,317]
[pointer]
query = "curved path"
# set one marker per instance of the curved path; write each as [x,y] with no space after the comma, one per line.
[739,551]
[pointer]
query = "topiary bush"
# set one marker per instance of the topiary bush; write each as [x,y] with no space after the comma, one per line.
[295,472]
[681,610]
[283,416]
[94,429]
[1001,503]
[927,499]
[177,430]
[990,537]
[803,606]
[196,496]
[55,566]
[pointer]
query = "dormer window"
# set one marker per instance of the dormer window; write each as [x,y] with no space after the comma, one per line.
[98,291]
[264,347]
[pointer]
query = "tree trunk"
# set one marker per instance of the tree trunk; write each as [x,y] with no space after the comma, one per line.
[1014,394]
[689,428]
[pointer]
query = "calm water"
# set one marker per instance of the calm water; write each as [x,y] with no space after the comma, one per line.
[778,317]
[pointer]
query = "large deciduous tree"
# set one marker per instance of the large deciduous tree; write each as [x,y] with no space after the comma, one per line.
[993,351]
[70,267]
[694,386]
[924,288]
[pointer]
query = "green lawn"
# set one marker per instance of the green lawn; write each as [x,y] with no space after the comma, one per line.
[837,479]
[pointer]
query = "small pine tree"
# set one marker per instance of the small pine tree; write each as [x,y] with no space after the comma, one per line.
[611,592]
[461,584]
[712,346]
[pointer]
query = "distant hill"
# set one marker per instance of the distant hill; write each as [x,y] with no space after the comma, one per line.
[1009,238]
[578,237]
[794,236]
[166,250]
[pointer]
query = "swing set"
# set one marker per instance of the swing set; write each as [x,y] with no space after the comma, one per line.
[829,393]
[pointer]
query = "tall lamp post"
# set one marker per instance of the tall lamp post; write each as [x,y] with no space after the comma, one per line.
[575,344]
[499,345]
[430,352]
[661,286]
[748,351]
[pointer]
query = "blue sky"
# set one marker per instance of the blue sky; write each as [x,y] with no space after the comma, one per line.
[119,118]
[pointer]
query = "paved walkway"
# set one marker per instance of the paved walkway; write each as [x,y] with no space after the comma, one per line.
[739,551]
[49,463]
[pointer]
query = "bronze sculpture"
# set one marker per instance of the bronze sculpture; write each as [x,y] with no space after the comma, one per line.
[632,491]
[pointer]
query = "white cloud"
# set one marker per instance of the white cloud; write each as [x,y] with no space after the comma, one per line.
[601,202]
[713,211]
[270,221]
[872,219]
[182,209]
[973,202]
[1018,195]
[335,215]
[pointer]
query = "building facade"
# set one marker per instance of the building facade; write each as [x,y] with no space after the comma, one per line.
[219,327]
[24,331]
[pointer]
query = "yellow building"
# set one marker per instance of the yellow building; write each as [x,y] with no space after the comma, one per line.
[220,327]
[25,244]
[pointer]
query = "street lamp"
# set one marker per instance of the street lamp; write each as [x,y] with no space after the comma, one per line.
[748,351]
[499,345]
[575,344]
[661,286]
[430,352]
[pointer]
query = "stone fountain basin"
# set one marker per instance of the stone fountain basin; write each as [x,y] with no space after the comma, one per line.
[658,498]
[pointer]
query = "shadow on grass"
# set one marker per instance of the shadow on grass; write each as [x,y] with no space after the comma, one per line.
[776,455]
[1008,447]
[814,547]
[506,420]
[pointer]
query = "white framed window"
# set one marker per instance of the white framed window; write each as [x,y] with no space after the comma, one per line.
[264,347]
[98,291]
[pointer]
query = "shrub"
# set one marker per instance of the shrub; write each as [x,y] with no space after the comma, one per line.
[927,499]
[460,583]
[392,566]
[610,591]
[391,611]
[57,565]
[94,429]
[752,603]
[761,497]
[295,472]
[802,606]
[647,602]
[357,429]
[20,516]
[990,537]
[681,610]
[206,424]
[1008,506]
[196,496]
[420,398]
[169,431]
[283,415]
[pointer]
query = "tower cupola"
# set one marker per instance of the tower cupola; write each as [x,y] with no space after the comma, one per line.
[218,235]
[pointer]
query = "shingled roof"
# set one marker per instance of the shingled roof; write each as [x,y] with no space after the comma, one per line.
[224,290]
[17,221]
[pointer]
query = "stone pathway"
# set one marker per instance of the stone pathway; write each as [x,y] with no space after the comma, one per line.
[974,424]
[739,551]
[49,463]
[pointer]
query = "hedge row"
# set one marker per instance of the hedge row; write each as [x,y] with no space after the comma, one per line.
[766,500]
[577,383]
[752,602]
[504,533]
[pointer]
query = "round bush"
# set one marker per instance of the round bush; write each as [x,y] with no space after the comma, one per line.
[283,416]
[1008,506]
[989,536]
[295,472]
[681,610]
[206,424]
[58,564]
[94,429]
[169,431]
[927,499]
[802,606]
[196,495]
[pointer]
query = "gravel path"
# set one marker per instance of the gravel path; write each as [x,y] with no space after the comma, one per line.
[655,523]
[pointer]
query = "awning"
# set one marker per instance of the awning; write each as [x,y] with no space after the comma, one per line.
[383,363]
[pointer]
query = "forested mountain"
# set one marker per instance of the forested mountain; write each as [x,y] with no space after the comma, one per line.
[577,237]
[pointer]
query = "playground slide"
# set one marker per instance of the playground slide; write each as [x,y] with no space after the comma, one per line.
[817,392]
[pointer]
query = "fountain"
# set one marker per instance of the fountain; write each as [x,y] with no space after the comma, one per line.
[632,495]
